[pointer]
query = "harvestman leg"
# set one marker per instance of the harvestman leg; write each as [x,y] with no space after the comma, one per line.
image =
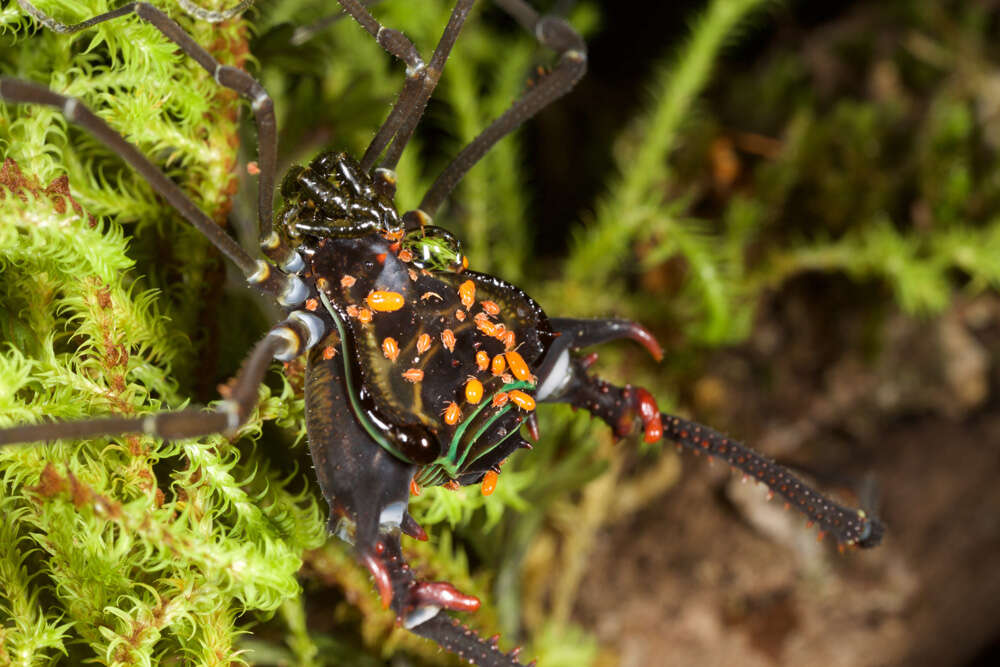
[229,77]
[550,31]
[421,79]
[304,33]
[285,342]
[209,16]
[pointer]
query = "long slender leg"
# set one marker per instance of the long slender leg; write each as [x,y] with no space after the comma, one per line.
[421,79]
[214,17]
[551,32]
[411,113]
[229,77]
[623,408]
[285,341]
[304,33]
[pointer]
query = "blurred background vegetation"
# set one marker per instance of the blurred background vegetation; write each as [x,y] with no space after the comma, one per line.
[799,199]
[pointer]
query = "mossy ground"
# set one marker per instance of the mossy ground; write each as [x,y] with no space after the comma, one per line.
[725,183]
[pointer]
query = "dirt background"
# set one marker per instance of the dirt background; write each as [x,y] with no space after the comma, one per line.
[713,574]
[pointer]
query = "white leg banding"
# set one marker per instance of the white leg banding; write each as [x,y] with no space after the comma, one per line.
[294,263]
[387,175]
[261,274]
[392,515]
[271,241]
[314,326]
[422,615]
[295,292]
[231,409]
[69,108]
[259,100]
[292,343]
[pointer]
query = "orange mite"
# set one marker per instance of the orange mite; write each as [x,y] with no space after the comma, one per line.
[423,343]
[489,482]
[474,391]
[312,304]
[365,315]
[487,327]
[467,293]
[509,340]
[482,360]
[498,366]
[518,366]
[522,400]
[413,375]
[329,352]
[385,302]
[405,255]
[390,348]
[348,281]
[253,168]
[448,339]
[490,307]
[452,414]
[352,310]
[500,399]
[460,315]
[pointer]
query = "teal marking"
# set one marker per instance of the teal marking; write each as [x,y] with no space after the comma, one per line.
[434,474]
[500,442]
[358,411]
[450,461]
[505,409]
[460,431]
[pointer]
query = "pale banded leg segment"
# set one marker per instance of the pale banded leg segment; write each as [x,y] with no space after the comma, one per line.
[210,16]
[290,338]
[421,79]
[304,33]
[551,32]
